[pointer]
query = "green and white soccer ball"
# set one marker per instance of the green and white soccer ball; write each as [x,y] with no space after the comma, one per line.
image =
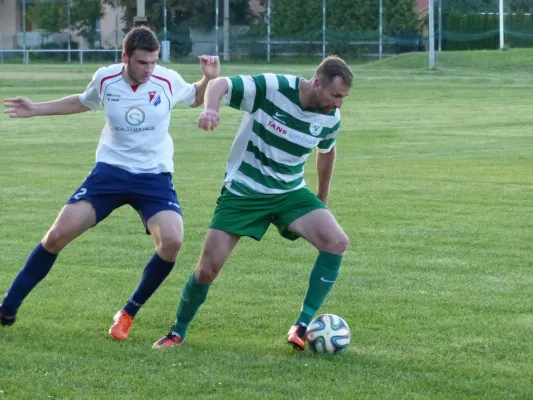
[328,333]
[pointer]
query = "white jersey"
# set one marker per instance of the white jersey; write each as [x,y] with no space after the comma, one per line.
[135,136]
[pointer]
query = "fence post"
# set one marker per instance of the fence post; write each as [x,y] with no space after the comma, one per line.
[226,30]
[268,32]
[431,36]
[323,29]
[440,25]
[380,29]
[116,31]
[501,26]
[217,8]
[69,29]
[24,54]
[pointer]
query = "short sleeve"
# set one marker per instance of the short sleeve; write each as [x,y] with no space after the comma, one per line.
[246,93]
[326,144]
[91,97]
[181,91]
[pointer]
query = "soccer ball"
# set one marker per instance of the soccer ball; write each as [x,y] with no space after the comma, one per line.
[328,333]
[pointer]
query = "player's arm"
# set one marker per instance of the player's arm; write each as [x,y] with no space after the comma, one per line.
[215,91]
[324,166]
[241,92]
[211,69]
[21,107]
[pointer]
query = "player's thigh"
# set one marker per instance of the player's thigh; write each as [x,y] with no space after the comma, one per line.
[73,220]
[320,228]
[242,216]
[153,196]
[105,188]
[294,206]
[166,226]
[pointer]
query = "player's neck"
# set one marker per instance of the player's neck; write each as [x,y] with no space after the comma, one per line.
[306,94]
[127,78]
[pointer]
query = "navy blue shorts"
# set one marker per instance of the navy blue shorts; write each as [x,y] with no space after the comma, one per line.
[108,188]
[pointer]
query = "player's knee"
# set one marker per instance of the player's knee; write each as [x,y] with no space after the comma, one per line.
[56,239]
[169,247]
[206,274]
[208,269]
[337,244]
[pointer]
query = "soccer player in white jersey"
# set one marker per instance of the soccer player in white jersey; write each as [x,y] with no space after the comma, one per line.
[285,118]
[133,166]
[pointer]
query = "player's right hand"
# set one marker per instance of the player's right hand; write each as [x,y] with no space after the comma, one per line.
[208,120]
[19,107]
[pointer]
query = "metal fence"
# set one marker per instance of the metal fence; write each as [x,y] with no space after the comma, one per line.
[29,42]
[24,39]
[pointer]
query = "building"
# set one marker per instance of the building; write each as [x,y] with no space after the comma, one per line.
[12,28]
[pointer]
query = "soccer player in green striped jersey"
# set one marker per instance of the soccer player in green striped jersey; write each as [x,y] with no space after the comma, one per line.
[285,118]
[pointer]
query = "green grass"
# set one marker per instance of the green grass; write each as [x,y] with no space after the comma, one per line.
[433,184]
[464,62]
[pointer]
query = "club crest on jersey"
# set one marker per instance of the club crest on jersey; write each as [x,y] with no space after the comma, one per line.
[135,116]
[155,98]
[315,129]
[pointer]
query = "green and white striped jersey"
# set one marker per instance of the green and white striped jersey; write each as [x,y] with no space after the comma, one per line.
[276,135]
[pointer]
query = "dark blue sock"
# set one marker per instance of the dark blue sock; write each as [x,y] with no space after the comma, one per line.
[36,268]
[154,274]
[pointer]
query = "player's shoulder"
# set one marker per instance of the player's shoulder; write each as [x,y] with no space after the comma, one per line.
[165,73]
[286,81]
[109,71]
[275,82]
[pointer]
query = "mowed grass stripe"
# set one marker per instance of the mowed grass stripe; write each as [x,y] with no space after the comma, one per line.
[432,184]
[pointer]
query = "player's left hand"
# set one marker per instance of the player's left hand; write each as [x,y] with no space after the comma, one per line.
[210,66]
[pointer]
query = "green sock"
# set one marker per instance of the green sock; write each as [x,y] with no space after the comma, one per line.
[323,276]
[192,297]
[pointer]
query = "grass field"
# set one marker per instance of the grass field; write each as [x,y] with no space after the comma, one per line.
[433,184]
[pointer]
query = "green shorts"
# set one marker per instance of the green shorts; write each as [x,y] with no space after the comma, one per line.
[252,215]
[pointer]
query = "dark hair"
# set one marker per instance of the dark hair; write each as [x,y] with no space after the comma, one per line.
[141,38]
[334,66]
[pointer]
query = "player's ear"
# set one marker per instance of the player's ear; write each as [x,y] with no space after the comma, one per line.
[316,83]
[124,57]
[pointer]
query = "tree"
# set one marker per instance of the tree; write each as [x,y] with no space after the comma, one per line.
[521,5]
[189,13]
[476,6]
[52,17]
[347,20]
[181,16]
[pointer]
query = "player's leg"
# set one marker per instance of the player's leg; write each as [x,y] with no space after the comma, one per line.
[305,216]
[217,248]
[320,228]
[100,193]
[73,220]
[235,216]
[156,201]
[166,228]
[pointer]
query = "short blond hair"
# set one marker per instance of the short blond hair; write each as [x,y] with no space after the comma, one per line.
[331,67]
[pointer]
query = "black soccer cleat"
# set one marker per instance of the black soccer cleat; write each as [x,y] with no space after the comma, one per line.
[6,320]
